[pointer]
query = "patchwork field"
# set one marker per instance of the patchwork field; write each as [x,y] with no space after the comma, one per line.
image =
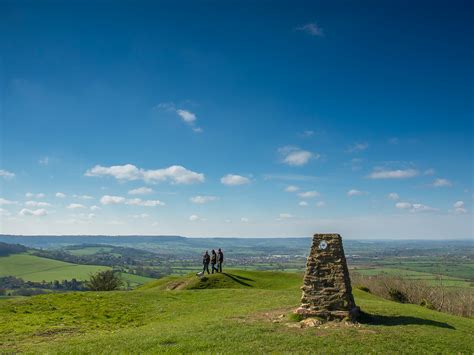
[34,268]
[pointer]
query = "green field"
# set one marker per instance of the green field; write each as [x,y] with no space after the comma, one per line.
[242,311]
[430,278]
[34,268]
[89,250]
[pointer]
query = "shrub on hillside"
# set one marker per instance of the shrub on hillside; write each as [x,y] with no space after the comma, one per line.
[107,280]
[397,295]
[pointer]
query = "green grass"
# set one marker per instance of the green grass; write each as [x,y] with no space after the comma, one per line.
[89,250]
[34,268]
[238,312]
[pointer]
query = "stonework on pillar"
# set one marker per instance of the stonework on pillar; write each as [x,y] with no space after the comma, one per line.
[327,291]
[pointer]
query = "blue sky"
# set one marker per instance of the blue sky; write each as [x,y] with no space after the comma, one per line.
[237,118]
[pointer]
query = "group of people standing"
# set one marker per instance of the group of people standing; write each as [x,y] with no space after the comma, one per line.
[213,259]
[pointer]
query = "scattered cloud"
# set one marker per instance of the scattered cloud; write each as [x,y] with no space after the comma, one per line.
[4,213]
[75,206]
[7,175]
[393,174]
[309,194]
[186,116]
[60,195]
[141,215]
[291,188]
[356,164]
[194,218]
[441,183]
[4,201]
[44,161]
[355,192]
[233,180]
[94,208]
[32,195]
[358,147]
[285,216]
[176,174]
[393,196]
[202,199]
[294,156]
[321,204]
[459,207]
[141,191]
[37,204]
[303,203]
[289,177]
[244,220]
[112,200]
[38,213]
[430,171]
[117,200]
[83,197]
[415,207]
[311,29]
[307,133]
[144,203]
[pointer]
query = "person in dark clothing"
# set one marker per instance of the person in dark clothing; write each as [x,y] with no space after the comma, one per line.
[220,259]
[205,261]
[213,261]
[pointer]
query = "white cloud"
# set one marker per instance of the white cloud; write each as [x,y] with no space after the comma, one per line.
[430,171]
[311,29]
[459,207]
[233,180]
[393,174]
[7,175]
[83,197]
[141,215]
[111,200]
[307,133]
[194,218]
[60,195]
[244,220]
[295,156]
[393,196]
[74,206]
[43,161]
[32,195]
[355,192]
[37,204]
[358,147]
[4,212]
[144,203]
[286,215]
[303,203]
[403,205]
[39,212]
[202,199]
[418,207]
[309,194]
[186,116]
[176,174]
[442,183]
[415,207]
[292,188]
[116,200]
[140,191]
[4,201]
[321,204]
[95,208]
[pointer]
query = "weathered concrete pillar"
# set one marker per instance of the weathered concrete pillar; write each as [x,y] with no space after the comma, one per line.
[327,290]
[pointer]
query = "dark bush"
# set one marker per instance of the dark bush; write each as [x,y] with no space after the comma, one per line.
[397,295]
[105,281]
[363,288]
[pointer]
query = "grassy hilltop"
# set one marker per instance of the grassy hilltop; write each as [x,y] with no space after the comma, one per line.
[241,311]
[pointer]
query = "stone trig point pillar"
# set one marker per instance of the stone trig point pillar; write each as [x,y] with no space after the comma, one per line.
[327,291]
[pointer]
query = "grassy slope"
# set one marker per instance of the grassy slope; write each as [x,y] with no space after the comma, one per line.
[34,268]
[234,318]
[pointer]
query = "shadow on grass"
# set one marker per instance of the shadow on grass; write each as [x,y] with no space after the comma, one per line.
[377,319]
[238,279]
